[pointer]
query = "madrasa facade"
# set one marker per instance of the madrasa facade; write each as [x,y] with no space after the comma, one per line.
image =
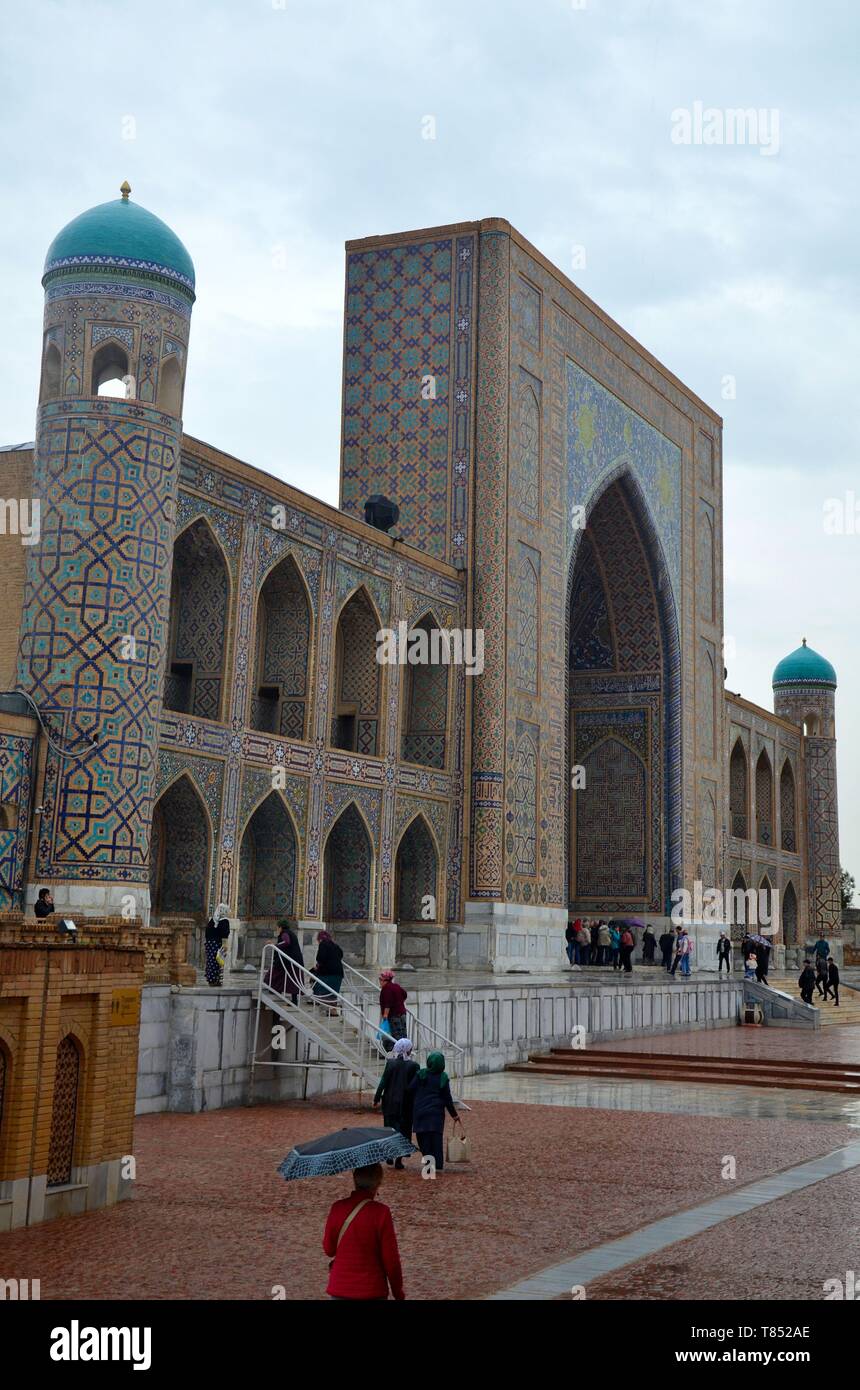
[195,713]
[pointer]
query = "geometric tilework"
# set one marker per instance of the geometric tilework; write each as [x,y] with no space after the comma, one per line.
[105,472]
[408,319]
[526,592]
[591,646]
[16,778]
[64,1110]
[764,799]
[525,470]
[523,816]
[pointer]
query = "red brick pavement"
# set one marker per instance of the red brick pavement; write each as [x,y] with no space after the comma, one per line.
[748,1258]
[212,1219]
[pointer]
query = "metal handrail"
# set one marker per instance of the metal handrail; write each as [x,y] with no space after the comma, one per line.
[419,1026]
[337,1006]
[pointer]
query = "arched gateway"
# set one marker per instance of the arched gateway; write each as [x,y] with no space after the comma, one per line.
[623,712]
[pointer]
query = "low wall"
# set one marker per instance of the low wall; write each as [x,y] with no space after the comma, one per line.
[195,1043]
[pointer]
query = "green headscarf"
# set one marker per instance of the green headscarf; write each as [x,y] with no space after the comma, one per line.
[435,1067]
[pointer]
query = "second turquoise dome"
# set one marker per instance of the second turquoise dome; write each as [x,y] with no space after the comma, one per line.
[121,235]
[805,667]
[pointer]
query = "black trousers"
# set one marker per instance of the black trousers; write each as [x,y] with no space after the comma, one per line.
[626,961]
[832,989]
[725,961]
[806,996]
[431,1142]
[667,958]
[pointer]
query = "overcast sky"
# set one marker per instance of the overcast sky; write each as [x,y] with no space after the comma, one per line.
[266,134]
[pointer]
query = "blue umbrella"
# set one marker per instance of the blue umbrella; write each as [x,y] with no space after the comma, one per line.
[345,1149]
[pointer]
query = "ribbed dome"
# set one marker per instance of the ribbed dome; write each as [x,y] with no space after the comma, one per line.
[121,235]
[804,667]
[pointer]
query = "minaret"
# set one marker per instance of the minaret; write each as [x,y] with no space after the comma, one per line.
[119,287]
[804,691]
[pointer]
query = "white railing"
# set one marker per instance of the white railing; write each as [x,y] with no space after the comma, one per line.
[334,1023]
[423,1037]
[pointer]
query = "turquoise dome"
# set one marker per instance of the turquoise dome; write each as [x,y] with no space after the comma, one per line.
[120,235]
[804,667]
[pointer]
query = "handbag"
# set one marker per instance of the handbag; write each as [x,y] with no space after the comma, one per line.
[345,1227]
[384,1030]
[459,1148]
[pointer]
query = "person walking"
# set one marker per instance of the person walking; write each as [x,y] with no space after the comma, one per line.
[806,980]
[393,1090]
[682,953]
[570,938]
[328,968]
[667,946]
[392,1003]
[763,960]
[217,931]
[832,985]
[821,975]
[281,977]
[430,1093]
[724,953]
[604,943]
[821,947]
[361,1243]
[649,945]
[625,950]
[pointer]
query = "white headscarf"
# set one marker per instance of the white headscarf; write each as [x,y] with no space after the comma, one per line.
[221,912]
[402,1047]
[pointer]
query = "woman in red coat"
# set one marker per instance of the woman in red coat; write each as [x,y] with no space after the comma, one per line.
[359,1238]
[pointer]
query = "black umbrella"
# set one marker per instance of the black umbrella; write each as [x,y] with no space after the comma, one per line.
[345,1149]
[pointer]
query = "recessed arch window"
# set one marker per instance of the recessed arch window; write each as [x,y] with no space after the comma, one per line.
[788,808]
[51,373]
[110,375]
[764,799]
[738,795]
[170,387]
[426,703]
[348,869]
[357,685]
[199,615]
[789,916]
[64,1112]
[279,701]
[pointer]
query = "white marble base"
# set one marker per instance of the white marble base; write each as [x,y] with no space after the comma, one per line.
[94,899]
[505,937]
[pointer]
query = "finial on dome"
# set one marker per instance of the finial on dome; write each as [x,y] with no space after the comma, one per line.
[125,189]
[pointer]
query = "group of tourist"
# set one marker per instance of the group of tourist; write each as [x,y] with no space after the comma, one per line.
[602,943]
[819,972]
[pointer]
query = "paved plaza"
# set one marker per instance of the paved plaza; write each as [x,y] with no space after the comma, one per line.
[572,1181]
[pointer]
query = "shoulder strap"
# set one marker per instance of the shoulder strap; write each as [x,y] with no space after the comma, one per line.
[349,1220]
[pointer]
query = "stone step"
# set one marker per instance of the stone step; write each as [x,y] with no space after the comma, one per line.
[693,1076]
[620,1057]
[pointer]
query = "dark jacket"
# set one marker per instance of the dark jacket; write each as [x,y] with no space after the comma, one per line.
[329,959]
[570,932]
[42,909]
[724,947]
[277,976]
[429,1103]
[833,972]
[393,1088]
[217,931]
[667,941]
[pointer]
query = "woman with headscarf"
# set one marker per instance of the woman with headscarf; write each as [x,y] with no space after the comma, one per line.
[281,977]
[430,1093]
[217,931]
[393,1090]
[328,969]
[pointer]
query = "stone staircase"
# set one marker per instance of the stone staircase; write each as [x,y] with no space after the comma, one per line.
[691,1069]
[848,1012]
